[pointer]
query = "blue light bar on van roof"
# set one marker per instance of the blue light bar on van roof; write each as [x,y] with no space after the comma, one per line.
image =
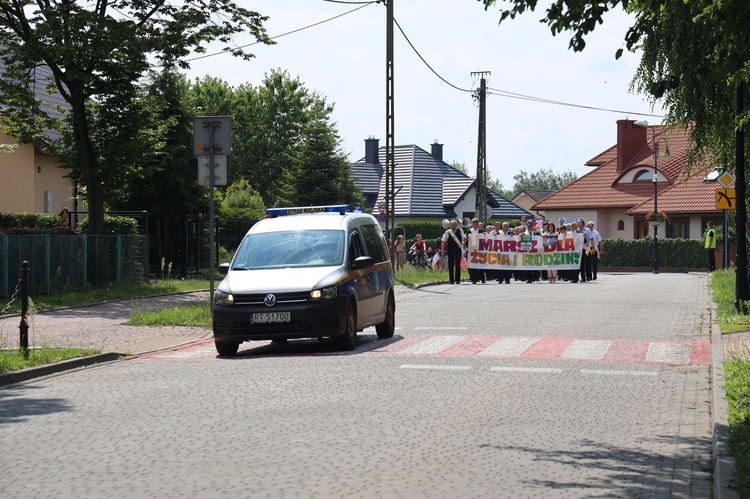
[280,212]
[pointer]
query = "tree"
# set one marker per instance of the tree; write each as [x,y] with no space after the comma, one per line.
[242,201]
[270,121]
[166,185]
[460,167]
[695,53]
[97,54]
[543,180]
[323,175]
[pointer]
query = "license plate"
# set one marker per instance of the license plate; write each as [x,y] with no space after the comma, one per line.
[266,317]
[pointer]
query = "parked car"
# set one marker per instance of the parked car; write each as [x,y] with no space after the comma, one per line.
[308,275]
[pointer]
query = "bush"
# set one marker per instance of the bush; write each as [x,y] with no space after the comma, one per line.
[639,253]
[113,225]
[30,223]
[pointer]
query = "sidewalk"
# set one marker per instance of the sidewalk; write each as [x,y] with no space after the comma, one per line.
[103,326]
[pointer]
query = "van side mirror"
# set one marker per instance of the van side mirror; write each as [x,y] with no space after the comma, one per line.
[363,262]
[223,268]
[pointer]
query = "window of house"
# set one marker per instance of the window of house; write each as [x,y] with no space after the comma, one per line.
[679,227]
[620,225]
[644,176]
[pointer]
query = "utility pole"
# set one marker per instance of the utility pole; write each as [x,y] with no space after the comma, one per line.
[481,96]
[390,167]
[742,294]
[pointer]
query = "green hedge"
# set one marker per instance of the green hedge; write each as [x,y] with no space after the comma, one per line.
[673,253]
[113,225]
[27,223]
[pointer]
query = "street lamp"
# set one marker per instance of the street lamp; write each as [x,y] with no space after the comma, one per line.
[644,124]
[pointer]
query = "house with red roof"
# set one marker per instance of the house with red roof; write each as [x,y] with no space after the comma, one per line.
[618,193]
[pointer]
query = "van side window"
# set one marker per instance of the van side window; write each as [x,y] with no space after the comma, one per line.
[355,248]
[374,243]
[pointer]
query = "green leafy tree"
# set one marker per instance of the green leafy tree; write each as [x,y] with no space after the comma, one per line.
[460,167]
[544,180]
[269,123]
[323,175]
[696,52]
[242,201]
[167,185]
[97,53]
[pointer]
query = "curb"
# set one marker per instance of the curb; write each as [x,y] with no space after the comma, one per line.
[723,462]
[36,372]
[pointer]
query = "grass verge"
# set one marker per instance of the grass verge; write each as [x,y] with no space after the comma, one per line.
[737,376]
[112,292]
[411,275]
[15,360]
[196,315]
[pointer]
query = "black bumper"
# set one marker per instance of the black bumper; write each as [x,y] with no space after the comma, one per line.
[308,320]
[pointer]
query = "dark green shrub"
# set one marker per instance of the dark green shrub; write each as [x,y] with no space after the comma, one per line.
[113,225]
[639,253]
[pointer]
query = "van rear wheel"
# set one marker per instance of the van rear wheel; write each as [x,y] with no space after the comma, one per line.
[386,328]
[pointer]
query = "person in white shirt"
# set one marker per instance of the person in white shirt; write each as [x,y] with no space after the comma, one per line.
[452,242]
[598,249]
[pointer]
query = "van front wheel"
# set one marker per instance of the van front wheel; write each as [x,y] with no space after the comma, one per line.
[226,348]
[348,340]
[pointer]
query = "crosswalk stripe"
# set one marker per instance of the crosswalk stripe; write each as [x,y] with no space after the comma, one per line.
[672,353]
[481,346]
[433,345]
[438,368]
[619,373]
[527,369]
[509,347]
[587,350]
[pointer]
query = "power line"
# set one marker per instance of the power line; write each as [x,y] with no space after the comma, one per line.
[365,4]
[425,62]
[513,95]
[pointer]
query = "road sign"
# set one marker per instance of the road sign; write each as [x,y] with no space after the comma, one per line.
[381,206]
[381,216]
[725,199]
[725,179]
[203,129]
[220,170]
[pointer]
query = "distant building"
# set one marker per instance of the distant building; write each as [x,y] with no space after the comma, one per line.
[31,179]
[427,188]
[619,192]
[528,198]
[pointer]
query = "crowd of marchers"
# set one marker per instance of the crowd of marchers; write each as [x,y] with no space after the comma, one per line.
[452,252]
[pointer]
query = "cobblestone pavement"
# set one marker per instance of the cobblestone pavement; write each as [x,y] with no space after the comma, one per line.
[104,327]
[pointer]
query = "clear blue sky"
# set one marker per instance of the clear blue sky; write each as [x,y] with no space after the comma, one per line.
[344,60]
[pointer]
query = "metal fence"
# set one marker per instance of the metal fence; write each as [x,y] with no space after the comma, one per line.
[71,262]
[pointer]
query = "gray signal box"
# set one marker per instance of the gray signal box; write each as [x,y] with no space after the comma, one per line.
[203,126]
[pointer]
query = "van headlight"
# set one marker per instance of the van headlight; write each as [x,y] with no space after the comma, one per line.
[223,298]
[322,294]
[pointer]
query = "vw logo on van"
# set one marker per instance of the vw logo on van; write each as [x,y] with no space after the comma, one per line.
[270,300]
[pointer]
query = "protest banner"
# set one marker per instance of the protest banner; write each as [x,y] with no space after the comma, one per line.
[525,252]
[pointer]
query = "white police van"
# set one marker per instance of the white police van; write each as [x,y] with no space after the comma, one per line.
[313,272]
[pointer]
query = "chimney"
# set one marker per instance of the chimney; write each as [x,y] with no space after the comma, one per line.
[372,145]
[630,140]
[437,151]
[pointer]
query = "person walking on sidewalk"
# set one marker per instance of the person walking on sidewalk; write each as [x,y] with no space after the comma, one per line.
[710,245]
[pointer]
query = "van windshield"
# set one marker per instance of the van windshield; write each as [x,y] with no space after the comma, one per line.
[304,248]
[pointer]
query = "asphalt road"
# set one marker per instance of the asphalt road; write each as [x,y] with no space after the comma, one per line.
[565,390]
